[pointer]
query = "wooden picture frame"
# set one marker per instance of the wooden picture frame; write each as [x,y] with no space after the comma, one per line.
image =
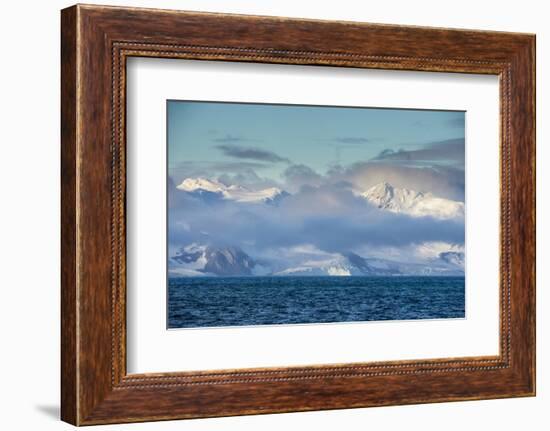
[95,43]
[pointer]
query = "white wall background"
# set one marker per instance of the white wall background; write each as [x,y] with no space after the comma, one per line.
[29,215]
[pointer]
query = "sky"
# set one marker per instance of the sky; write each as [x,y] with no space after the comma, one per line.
[324,157]
[222,137]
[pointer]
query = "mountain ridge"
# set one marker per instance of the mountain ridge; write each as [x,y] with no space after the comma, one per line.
[416,204]
[212,188]
[201,260]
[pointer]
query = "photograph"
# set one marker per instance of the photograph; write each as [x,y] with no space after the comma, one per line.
[305,214]
[283,214]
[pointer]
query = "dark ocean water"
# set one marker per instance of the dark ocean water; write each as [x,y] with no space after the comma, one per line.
[237,301]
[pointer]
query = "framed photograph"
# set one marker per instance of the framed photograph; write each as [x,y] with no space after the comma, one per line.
[264,214]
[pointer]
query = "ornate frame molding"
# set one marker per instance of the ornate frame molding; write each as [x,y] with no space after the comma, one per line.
[96,41]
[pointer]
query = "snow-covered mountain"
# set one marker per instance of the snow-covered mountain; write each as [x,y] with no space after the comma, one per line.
[413,203]
[212,189]
[453,258]
[346,264]
[197,260]
[204,258]
[354,265]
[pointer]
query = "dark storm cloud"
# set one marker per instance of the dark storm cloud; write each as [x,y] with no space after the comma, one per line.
[251,153]
[451,150]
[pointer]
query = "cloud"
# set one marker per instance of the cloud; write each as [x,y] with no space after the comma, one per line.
[251,153]
[329,217]
[323,210]
[248,178]
[230,139]
[386,152]
[443,175]
[451,150]
[443,181]
[297,176]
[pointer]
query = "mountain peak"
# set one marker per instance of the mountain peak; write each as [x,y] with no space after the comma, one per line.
[411,202]
[193,184]
[233,192]
[222,261]
[383,189]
